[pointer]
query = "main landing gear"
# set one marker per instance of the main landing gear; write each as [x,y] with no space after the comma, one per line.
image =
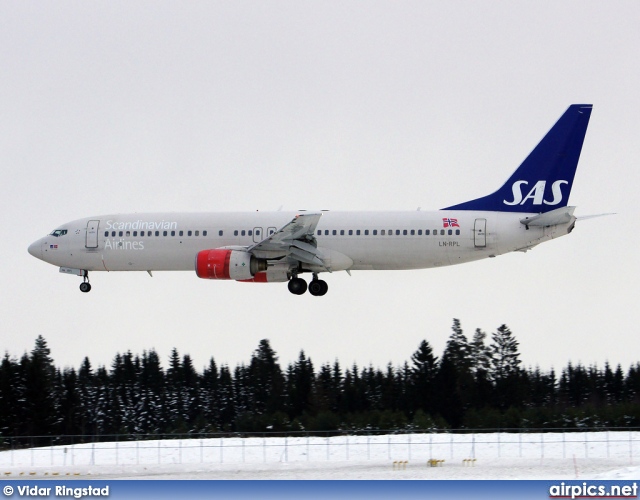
[85,286]
[298,286]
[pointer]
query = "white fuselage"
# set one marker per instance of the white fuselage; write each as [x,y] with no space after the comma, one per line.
[369,240]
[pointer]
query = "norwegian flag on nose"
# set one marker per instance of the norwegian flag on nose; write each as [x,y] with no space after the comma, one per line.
[447,222]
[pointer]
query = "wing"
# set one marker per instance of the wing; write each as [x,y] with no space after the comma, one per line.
[296,240]
[560,215]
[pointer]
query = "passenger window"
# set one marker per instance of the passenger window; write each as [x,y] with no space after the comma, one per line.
[173,233]
[457,232]
[341,232]
[335,232]
[164,233]
[135,234]
[319,233]
[181,233]
[197,233]
[235,233]
[450,232]
[189,233]
[390,232]
[350,232]
[404,232]
[204,233]
[382,232]
[442,232]
[243,232]
[419,232]
[375,232]
[427,232]
[413,232]
[220,233]
[120,234]
[397,232]
[157,233]
[326,232]
[113,234]
[128,234]
[250,232]
[106,233]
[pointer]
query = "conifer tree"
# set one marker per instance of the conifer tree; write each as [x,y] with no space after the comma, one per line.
[505,369]
[480,355]
[505,357]
[88,397]
[41,409]
[392,393]
[124,393]
[191,397]
[150,414]
[226,399]
[632,384]
[480,365]
[422,378]
[70,403]
[457,348]
[266,380]
[210,397]
[455,382]
[11,396]
[325,396]
[300,386]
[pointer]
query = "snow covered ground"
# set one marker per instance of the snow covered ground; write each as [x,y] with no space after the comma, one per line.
[583,455]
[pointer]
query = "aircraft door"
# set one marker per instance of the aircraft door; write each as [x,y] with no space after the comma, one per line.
[480,233]
[257,235]
[91,240]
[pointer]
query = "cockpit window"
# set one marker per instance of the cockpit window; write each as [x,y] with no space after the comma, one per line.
[59,232]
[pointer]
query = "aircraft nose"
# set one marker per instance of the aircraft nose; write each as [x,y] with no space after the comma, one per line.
[35,249]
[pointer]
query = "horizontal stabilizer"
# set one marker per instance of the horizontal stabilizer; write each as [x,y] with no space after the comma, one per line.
[585,217]
[558,216]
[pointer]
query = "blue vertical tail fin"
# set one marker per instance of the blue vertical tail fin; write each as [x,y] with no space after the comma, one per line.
[544,179]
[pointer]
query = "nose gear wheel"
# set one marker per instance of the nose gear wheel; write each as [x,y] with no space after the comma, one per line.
[85,286]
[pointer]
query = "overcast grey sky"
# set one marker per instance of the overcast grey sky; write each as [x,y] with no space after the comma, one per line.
[114,106]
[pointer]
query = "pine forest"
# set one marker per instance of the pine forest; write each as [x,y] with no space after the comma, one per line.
[478,382]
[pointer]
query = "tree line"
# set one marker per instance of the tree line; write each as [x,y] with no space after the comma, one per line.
[474,384]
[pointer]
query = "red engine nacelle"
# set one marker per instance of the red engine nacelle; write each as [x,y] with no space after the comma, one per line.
[221,264]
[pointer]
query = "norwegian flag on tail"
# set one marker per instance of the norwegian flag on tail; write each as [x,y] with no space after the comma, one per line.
[447,222]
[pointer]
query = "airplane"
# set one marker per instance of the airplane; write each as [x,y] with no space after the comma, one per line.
[530,208]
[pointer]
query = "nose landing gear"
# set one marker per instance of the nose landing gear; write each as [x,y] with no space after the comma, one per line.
[85,286]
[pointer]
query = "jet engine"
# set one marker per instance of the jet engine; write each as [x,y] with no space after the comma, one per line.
[222,264]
